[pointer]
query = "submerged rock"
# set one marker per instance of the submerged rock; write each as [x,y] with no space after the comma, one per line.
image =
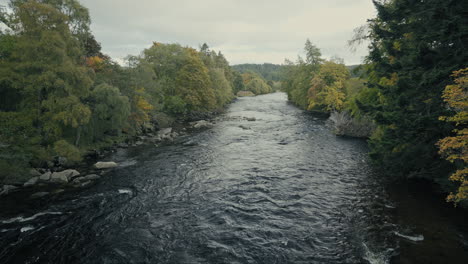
[31,181]
[90,177]
[105,165]
[39,194]
[64,176]
[250,119]
[7,189]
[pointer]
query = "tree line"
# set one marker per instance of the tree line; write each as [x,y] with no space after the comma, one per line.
[413,89]
[60,96]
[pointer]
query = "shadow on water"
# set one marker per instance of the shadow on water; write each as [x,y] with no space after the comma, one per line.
[267,184]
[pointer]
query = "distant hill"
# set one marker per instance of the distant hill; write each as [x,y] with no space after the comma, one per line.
[269,71]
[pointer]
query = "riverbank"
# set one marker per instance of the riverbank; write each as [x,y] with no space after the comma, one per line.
[53,181]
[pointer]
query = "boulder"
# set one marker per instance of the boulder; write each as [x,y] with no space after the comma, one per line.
[64,176]
[105,165]
[45,176]
[39,194]
[7,189]
[31,181]
[250,119]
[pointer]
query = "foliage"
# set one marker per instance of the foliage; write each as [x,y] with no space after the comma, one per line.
[255,84]
[297,76]
[268,71]
[455,148]
[60,95]
[327,90]
[64,149]
[414,47]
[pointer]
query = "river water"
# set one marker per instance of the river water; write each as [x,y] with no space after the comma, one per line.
[280,189]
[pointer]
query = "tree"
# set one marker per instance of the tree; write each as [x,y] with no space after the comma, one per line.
[455,148]
[415,45]
[313,54]
[110,112]
[44,67]
[327,92]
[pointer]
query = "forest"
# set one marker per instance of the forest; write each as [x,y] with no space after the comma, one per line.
[410,100]
[61,97]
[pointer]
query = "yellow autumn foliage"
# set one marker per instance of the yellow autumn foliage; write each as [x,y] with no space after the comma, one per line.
[455,148]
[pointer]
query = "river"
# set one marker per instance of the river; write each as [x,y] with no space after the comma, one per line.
[279,189]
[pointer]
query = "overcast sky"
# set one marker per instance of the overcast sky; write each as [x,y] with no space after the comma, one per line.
[246,31]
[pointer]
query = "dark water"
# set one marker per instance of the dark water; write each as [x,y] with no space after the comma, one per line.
[280,189]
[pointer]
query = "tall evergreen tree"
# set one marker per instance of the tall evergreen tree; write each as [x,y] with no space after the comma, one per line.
[415,46]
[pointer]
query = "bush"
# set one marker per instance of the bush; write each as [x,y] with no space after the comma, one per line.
[175,105]
[64,149]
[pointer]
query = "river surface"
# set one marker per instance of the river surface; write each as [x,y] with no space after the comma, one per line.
[280,189]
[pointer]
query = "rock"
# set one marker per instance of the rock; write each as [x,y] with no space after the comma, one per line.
[7,189]
[201,124]
[122,145]
[164,132]
[244,127]
[250,119]
[86,183]
[31,181]
[34,172]
[45,176]
[105,165]
[58,191]
[39,194]
[64,176]
[138,143]
[90,177]
[155,139]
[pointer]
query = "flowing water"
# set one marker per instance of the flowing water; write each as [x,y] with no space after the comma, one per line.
[279,189]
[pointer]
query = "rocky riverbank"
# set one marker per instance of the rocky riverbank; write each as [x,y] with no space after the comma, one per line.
[57,179]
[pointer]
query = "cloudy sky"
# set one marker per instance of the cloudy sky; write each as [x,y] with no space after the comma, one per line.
[246,31]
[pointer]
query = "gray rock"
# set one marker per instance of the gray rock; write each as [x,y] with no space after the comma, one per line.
[105,165]
[250,119]
[138,143]
[122,145]
[201,124]
[45,176]
[31,181]
[244,127]
[7,189]
[64,176]
[39,194]
[164,132]
[90,177]
[34,172]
